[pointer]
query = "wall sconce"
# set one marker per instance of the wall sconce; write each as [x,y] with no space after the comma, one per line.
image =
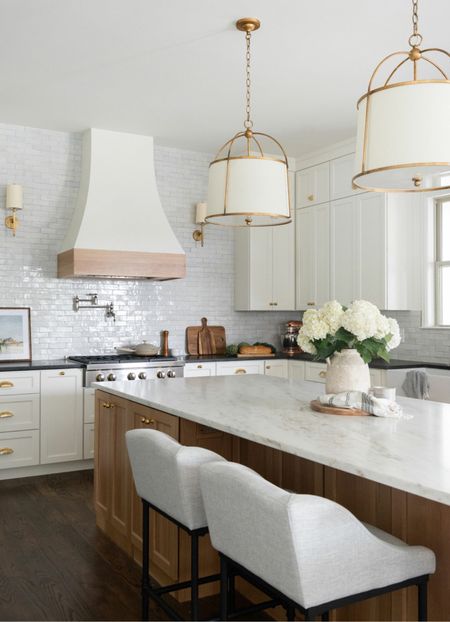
[200,216]
[14,202]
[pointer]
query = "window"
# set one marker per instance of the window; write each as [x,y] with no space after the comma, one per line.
[442,261]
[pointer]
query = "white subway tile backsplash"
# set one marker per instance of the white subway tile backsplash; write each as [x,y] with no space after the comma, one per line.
[47,164]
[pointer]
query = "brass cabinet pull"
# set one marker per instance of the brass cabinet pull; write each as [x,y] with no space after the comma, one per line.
[323,374]
[62,373]
[311,304]
[6,384]
[152,421]
[6,414]
[108,405]
[310,197]
[199,366]
[147,421]
[6,451]
[240,371]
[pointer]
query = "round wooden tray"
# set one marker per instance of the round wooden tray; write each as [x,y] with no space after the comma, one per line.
[333,410]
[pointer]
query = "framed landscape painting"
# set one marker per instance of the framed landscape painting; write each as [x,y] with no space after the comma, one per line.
[15,334]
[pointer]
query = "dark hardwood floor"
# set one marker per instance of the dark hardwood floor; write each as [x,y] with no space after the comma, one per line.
[56,565]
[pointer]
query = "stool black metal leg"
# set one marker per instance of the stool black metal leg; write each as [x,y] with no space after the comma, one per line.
[231,592]
[422,601]
[194,576]
[325,616]
[145,587]
[223,588]
[309,616]
[290,612]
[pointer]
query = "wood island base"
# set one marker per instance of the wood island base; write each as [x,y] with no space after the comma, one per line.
[118,509]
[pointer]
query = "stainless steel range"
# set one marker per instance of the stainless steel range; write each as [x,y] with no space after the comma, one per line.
[128,367]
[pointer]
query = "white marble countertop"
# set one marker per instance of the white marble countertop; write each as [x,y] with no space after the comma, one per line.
[409,454]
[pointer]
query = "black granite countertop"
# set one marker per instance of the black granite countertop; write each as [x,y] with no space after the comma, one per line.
[377,364]
[36,365]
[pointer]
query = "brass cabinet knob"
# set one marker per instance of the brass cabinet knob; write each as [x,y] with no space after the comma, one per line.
[267,366]
[199,366]
[311,304]
[62,373]
[6,384]
[310,197]
[275,304]
[6,414]
[323,374]
[6,451]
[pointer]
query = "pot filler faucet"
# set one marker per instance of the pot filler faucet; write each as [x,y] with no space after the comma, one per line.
[92,299]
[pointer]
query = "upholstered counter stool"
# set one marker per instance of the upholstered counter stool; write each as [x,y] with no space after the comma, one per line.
[310,552]
[166,476]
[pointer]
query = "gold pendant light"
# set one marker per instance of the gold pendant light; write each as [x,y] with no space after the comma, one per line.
[249,188]
[403,137]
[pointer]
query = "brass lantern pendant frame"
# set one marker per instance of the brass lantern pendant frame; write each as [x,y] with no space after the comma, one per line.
[414,55]
[253,150]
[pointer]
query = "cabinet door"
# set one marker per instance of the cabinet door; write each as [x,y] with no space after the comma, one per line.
[312,185]
[283,267]
[193,370]
[372,254]
[103,459]
[278,368]
[61,415]
[296,370]
[260,267]
[344,260]
[306,264]
[163,533]
[322,254]
[341,174]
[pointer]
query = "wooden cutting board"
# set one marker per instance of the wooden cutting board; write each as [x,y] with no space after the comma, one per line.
[213,338]
[333,410]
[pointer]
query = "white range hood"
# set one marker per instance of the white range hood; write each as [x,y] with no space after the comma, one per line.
[119,229]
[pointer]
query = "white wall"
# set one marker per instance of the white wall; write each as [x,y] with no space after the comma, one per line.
[47,164]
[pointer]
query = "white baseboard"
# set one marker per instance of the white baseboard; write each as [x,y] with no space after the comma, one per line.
[47,469]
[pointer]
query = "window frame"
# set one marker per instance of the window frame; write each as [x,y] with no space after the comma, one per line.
[439,263]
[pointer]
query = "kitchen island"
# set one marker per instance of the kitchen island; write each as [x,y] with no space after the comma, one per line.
[393,473]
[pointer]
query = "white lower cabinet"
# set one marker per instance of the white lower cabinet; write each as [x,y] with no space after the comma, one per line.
[19,449]
[61,415]
[194,370]
[276,367]
[296,370]
[19,412]
[230,368]
[315,372]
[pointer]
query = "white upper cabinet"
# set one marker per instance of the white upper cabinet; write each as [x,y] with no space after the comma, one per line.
[313,256]
[312,185]
[265,267]
[373,251]
[341,173]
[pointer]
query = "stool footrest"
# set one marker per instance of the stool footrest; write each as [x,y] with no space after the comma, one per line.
[184,584]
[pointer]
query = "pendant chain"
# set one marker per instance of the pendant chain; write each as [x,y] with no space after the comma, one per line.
[248,123]
[416,38]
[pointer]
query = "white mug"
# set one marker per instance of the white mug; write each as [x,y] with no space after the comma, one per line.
[387,393]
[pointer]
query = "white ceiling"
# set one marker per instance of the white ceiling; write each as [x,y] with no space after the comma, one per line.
[174,68]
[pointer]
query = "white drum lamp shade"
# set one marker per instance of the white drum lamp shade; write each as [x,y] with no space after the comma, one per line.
[403,137]
[248,191]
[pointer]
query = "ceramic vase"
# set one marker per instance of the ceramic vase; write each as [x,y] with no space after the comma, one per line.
[346,371]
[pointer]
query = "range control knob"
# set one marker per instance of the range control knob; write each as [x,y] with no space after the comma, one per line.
[100,377]
[142,375]
[131,376]
[161,374]
[112,376]
[171,373]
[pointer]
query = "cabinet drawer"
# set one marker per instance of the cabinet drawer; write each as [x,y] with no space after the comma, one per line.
[315,372]
[88,442]
[18,449]
[19,412]
[89,405]
[246,367]
[12,383]
[193,370]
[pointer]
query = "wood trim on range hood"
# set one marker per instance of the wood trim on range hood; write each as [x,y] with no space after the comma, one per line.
[119,228]
[85,262]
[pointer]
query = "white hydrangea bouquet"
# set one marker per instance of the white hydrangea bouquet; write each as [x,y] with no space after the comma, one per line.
[361,327]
